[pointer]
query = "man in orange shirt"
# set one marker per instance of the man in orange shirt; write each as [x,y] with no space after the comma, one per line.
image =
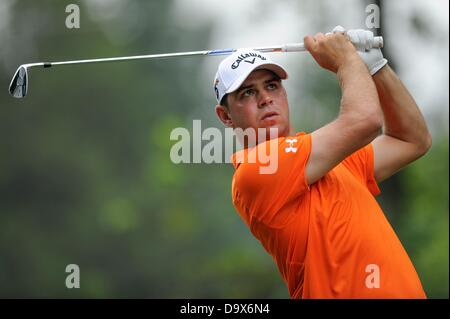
[316,214]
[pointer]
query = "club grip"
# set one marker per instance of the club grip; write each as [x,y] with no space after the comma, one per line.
[293,47]
[378,42]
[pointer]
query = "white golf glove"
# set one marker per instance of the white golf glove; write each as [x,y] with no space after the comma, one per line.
[362,40]
[372,57]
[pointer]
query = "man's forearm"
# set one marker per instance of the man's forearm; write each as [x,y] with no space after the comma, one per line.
[402,117]
[359,94]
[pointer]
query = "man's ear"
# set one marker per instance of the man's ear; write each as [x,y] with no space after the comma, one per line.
[224,115]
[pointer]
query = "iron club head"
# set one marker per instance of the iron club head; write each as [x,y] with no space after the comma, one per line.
[19,83]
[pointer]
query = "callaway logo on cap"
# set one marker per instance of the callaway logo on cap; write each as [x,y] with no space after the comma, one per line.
[233,70]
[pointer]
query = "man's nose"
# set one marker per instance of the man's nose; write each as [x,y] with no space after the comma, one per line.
[264,99]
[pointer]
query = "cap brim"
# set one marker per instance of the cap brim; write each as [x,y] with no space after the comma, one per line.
[274,67]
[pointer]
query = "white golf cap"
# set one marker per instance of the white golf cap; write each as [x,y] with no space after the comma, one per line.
[233,70]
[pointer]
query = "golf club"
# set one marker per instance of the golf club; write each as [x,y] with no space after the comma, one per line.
[19,83]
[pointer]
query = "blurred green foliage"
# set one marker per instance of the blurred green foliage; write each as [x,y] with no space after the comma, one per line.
[86,178]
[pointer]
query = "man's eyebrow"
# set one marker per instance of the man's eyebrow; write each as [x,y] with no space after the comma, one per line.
[275,78]
[242,88]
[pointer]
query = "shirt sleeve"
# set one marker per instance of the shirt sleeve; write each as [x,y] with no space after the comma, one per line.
[361,165]
[265,186]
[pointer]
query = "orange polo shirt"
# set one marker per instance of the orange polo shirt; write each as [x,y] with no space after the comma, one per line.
[330,239]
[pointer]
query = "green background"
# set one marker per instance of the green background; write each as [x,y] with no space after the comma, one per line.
[86,177]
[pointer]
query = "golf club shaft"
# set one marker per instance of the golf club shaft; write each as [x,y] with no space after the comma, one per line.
[290,47]
[298,47]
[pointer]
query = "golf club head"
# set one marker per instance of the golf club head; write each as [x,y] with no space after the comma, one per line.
[19,83]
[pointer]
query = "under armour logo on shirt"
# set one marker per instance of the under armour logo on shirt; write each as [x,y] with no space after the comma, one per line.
[291,147]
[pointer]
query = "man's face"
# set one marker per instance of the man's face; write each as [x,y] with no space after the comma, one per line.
[260,102]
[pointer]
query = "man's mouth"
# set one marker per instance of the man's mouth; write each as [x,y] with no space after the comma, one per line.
[269,116]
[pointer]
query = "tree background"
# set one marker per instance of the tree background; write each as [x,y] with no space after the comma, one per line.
[85,172]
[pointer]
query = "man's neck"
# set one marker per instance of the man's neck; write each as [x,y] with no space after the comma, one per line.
[250,143]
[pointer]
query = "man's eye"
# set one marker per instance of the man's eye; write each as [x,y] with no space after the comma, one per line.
[248,92]
[272,86]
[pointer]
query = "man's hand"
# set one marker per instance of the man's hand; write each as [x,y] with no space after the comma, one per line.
[372,57]
[331,51]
